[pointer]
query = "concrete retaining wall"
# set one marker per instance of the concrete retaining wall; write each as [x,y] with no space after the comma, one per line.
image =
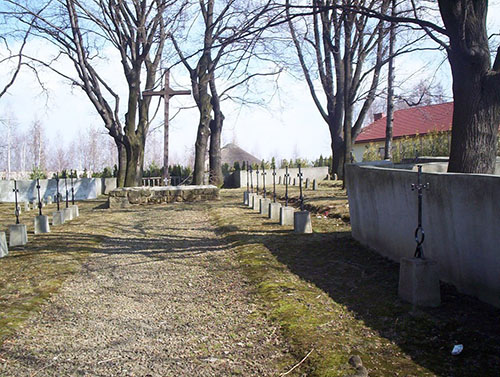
[239,178]
[461,220]
[85,188]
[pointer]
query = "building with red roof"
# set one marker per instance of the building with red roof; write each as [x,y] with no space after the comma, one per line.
[412,122]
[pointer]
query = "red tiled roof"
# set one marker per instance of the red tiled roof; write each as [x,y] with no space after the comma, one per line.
[410,122]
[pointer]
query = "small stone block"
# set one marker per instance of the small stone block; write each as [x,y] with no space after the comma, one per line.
[76,211]
[286,215]
[18,235]
[4,250]
[68,214]
[307,183]
[58,218]
[26,206]
[42,224]
[256,203]
[315,185]
[279,180]
[274,211]
[245,198]
[264,206]
[302,222]
[48,200]
[294,184]
[419,282]
[250,199]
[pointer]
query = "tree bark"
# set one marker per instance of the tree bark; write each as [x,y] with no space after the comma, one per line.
[215,157]
[476,93]
[122,163]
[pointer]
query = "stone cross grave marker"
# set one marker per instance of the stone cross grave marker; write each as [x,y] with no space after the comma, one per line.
[167,92]
[66,184]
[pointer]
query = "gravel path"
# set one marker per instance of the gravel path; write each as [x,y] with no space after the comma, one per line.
[162,297]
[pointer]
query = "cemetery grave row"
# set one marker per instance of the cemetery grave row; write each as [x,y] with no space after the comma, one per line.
[18,234]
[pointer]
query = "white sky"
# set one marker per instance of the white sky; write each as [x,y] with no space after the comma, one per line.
[288,127]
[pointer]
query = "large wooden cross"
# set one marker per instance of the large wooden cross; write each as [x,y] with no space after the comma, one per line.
[166,92]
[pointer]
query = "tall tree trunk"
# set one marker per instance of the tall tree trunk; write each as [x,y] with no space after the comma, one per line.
[122,163]
[201,144]
[390,89]
[476,93]
[215,157]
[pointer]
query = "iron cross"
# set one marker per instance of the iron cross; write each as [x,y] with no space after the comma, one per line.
[17,206]
[66,184]
[72,189]
[58,195]
[274,183]
[419,232]
[264,179]
[39,198]
[257,180]
[286,185]
[251,178]
[300,184]
[248,180]
[167,92]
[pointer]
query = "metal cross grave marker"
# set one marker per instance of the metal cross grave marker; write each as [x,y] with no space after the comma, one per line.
[39,198]
[419,232]
[286,185]
[72,189]
[167,92]
[257,180]
[17,206]
[251,179]
[274,183]
[66,184]
[264,179]
[248,179]
[58,195]
[299,174]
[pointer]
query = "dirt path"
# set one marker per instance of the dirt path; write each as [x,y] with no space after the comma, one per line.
[163,297]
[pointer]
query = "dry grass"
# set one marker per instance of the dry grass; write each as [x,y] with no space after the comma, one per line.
[30,274]
[331,294]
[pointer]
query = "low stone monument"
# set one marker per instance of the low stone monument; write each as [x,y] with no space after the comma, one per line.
[126,196]
[286,216]
[306,185]
[256,202]
[67,213]
[58,216]
[418,277]
[250,199]
[27,207]
[48,200]
[264,206]
[4,250]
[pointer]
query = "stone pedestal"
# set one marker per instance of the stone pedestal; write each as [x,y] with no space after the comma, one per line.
[245,198]
[4,250]
[76,211]
[274,211]
[315,185]
[264,206]
[250,199]
[286,215]
[26,206]
[18,235]
[256,203]
[68,214]
[48,200]
[307,183]
[419,282]
[57,218]
[42,224]
[302,222]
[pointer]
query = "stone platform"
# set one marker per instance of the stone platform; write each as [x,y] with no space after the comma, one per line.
[126,196]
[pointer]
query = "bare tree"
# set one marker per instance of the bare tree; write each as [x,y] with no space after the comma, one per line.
[232,31]
[82,30]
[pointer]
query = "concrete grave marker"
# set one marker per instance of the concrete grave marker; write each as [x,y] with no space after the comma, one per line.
[41,221]
[18,235]
[4,250]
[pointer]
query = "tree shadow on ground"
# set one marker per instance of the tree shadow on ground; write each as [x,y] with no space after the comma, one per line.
[367,284]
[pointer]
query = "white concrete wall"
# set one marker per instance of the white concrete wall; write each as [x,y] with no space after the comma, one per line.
[240,178]
[461,220]
[85,188]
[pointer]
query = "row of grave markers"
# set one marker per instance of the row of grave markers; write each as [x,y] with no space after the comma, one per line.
[18,235]
[301,220]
